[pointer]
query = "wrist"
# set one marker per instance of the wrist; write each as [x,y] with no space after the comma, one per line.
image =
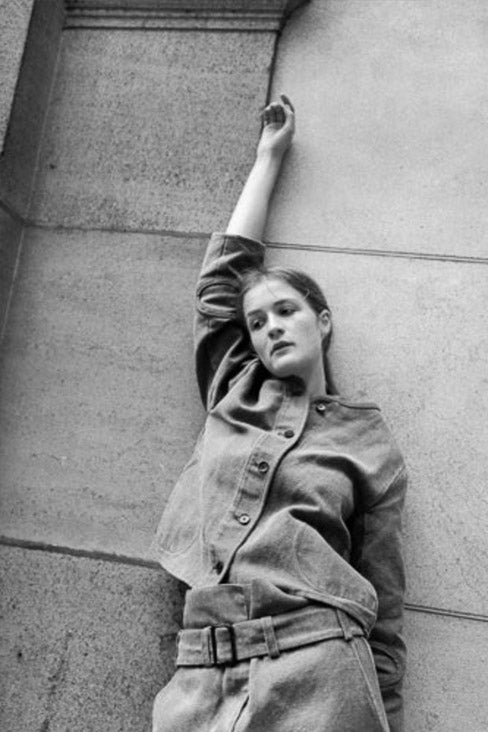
[268,163]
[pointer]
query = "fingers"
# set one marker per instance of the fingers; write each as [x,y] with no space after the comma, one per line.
[289,111]
[287,102]
[278,112]
[278,127]
[274,114]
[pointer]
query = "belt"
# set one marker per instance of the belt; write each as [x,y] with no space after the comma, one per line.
[227,644]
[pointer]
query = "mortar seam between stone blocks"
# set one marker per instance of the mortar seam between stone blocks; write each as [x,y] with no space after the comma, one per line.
[272,66]
[154,565]
[431,610]
[95,554]
[400,254]
[459,258]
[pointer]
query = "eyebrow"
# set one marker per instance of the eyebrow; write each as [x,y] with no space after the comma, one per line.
[277,304]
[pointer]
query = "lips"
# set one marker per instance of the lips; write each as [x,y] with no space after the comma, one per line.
[280,346]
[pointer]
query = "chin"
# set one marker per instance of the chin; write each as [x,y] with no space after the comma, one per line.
[283,371]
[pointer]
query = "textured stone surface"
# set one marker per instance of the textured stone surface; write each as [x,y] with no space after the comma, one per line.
[18,162]
[10,234]
[413,334]
[445,686]
[86,644]
[98,408]
[98,405]
[14,23]
[392,150]
[151,130]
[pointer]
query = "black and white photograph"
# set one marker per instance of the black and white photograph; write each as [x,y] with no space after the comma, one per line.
[243,365]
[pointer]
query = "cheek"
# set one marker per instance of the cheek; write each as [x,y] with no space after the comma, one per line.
[258,345]
[309,330]
[312,339]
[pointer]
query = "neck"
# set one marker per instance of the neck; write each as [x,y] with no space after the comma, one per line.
[315,382]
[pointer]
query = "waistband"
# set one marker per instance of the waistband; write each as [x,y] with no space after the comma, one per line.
[227,644]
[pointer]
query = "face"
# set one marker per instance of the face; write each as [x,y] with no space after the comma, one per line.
[286,333]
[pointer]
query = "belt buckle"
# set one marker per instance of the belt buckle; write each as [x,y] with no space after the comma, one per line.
[232,643]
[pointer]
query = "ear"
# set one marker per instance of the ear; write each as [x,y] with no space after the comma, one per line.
[325,323]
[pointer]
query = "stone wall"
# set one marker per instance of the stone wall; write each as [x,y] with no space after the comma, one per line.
[13,34]
[149,123]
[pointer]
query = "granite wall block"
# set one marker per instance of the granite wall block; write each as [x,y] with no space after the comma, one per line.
[151,130]
[14,25]
[392,150]
[98,403]
[100,406]
[87,643]
[19,157]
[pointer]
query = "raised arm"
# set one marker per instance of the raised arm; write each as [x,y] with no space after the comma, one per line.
[222,345]
[251,211]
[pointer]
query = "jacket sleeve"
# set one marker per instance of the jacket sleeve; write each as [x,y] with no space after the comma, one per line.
[380,560]
[222,346]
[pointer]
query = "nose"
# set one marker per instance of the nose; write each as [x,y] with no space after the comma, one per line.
[275,328]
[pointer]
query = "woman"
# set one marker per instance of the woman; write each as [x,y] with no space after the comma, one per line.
[286,522]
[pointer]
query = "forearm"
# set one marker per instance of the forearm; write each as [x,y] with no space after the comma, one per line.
[250,214]
[221,346]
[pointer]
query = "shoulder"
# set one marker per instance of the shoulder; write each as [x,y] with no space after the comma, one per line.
[359,410]
[369,437]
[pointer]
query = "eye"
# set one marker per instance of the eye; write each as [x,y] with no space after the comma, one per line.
[255,324]
[286,310]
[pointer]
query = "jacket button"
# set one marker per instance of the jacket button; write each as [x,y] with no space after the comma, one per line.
[218,567]
[320,407]
[244,518]
[263,466]
[289,433]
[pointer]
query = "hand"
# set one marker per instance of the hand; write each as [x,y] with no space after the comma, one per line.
[278,128]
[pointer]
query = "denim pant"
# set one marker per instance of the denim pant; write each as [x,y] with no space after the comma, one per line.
[323,686]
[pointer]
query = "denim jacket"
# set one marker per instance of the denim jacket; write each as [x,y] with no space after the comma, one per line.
[305,497]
